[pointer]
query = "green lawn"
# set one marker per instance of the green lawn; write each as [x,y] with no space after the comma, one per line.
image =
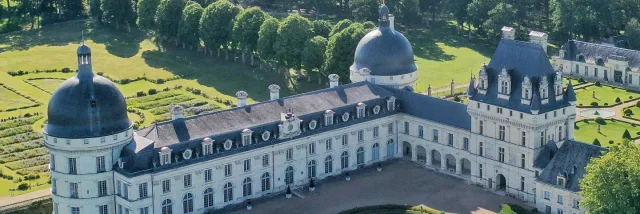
[392,209]
[604,94]
[587,131]
[635,112]
[12,100]
[49,85]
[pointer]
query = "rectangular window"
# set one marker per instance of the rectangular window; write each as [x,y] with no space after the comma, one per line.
[480,150]
[142,190]
[53,186]
[501,154]
[247,165]
[75,210]
[390,128]
[102,188]
[406,127]
[586,70]
[328,145]
[166,186]
[103,209]
[521,183]
[361,112]
[376,132]
[100,164]
[499,110]
[187,180]
[312,148]
[53,162]
[227,170]
[435,135]
[207,175]
[560,199]
[502,133]
[542,138]
[555,114]
[450,140]
[576,204]
[72,166]
[510,113]
[521,115]
[289,154]
[547,195]
[480,170]
[360,135]
[420,131]
[120,209]
[208,149]
[524,139]
[328,120]
[560,211]
[119,188]
[478,105]
[546,116]
[345,139]
[522,161]
[265,160]
[465,143]
[73,190]
[126,191]
[144,210]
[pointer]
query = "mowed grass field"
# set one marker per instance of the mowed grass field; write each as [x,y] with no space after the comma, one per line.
[11,100]
[587,131]
[604,94]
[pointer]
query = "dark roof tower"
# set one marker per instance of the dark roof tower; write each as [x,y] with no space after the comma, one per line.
[86,105]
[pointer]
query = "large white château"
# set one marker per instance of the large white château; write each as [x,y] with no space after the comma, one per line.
[514,137]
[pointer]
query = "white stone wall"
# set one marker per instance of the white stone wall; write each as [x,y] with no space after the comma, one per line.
[396,81]
[568,197]
[588,71]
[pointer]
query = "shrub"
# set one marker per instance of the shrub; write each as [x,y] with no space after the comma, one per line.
[23,186]
[618,100]
[159,81]
[638,104]
[594,103]
[598,83]
[628,112]
[611,142]
[100,73]
[600,121]
[596,142]
[581,80]
[152,91]
[606,104]
[630,97]
[140,94]
[457,99]
[506,209]
[626,134]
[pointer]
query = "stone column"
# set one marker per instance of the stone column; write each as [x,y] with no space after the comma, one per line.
[452,88]
[443,162]
[428,158]
[571,125]
[414,153]
[429,90]
[458,167]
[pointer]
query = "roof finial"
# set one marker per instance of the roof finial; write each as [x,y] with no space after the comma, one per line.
[82,37]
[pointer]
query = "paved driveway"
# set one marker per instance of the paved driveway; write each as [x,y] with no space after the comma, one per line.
[399,183]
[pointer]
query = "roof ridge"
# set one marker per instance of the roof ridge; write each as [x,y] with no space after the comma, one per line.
[607,46]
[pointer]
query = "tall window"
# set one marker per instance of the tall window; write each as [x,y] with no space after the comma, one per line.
[312,148]
[187,203]
[344,160]
[100,164]
[328,145]
[142,190]
[406,127]
[360,157]
[208,198]
[504,87]
[524,138]
[360,135]
[345,139]
[228,192]
[73,190]
[465,143]
[522,161]
[53,186]
[103,209]
[311,169]
[208,174]
[501,135]
[560,133]
[166,186]
[390,128]
[119,187]
[167,207]
[125,191]
[247,165]
[560,199]
[227,170]
[288,175]
[376,131]
[328,165]
[75,210]
[208,149]
[420,131]
[289,154]
[481,127]
[480,170]
[187,180]
[480,149]
[547,195]
[450,139]
[72,166]
[246,187]
[501,154]
[265,160]
[52,162]
[542,139]
[521,183]
[435,135]
[102,188]
[375,152]
[266,181]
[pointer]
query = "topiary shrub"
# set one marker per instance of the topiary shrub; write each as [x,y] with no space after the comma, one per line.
[618,100]
[598,83]
[152,91]
[628,112]
[457,99]
[611,142]
[606,104]
[626,135]
[596,142]
[600,121]
[140,94]
[23,186]
[581,80]
[594,103]
[630,97]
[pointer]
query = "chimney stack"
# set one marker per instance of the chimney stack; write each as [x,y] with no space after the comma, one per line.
[539,38]
[508,33]
[333,80]
[177,112]
[242,98]
[274,91]
[391,21]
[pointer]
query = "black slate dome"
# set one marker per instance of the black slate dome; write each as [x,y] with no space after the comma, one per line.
[86,105]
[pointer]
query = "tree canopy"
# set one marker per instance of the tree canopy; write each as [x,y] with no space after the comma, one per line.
[216,23]
[612,182]
[364,10]
[247,26]
[313,53]
[147,13]
[340,49]
[293,33]
[267,38]
[167,17]
[189,24]
[632,31]
[501,15]
[118,11]
[341,25]
[321,28]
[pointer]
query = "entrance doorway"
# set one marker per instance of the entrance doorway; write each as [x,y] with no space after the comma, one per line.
[617,76]
[501,182]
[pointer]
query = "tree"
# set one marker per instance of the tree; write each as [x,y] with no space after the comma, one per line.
[70,8]
[506,209]
[626,135]
[339,54]
[478,11]
[118,11]
[502,15]
[216,25]
[612,181]
[405,11]
[147,13]
[293,33]
[632,30]
[95,9]
[596,142]
[267,38]
[459,8]
[321,28]
[167,17]
[341,25]
[368,25]
[313,55]
[364,10]
[189,24]
[246,28]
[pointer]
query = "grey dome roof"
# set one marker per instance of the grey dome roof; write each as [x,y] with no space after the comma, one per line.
[84,49]
[385,52]
[87,106]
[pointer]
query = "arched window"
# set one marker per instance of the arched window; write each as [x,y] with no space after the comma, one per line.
[360,157]
[208,198]
[187,203]
[481,129]
[328,165]
[246,187]
[375,152]
[266,181]
[391,148]
[167,207]
[344,160]
[558,90]
[311,169]
[560,133]
[288,178]
[526,94]
[228,192]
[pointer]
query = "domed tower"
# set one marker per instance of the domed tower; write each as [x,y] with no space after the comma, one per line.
[384,56]
[87,128]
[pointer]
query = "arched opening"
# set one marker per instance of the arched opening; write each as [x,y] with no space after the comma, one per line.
[228,192]
[391,148]
[246,187]
[375,152]
[328,165]
[208,198]
[288,175]
[266,182]
[501,182]
[344,160]
[435,158]
[167,207]
[422,154]
[450,163]
[360,157]
[187,203]
[406,149]
[465,166]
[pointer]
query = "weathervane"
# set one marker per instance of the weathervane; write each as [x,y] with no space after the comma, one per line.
[83,37]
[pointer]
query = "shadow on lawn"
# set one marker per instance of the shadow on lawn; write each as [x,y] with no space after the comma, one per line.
[226,77]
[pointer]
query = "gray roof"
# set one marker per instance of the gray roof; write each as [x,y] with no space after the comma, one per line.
[84,50]
[592,52]
[385,52]
[572,155]
[520,59]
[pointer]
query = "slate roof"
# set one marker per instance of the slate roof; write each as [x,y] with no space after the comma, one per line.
[520,59]
[571,155]
[592,52]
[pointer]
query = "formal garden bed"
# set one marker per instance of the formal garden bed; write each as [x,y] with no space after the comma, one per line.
[632,112]
[393,209]
[599,95]
[610,133]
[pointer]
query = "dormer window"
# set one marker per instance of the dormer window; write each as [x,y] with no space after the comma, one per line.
[93,104]
[561,180]
[391,104]
[246,137]
[483,80]
[207,146]
[526,91]
[165,156]
[361,108]
[557,85]
[328,118]
[505,82]
[544,92]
